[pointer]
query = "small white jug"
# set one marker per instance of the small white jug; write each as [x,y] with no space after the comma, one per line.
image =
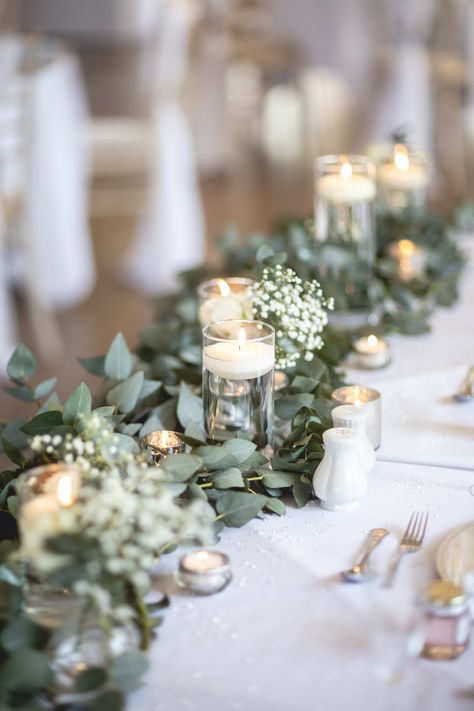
[356,418]
[340,480]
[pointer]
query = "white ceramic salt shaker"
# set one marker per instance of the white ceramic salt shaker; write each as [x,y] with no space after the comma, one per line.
[340,480]
[356,418]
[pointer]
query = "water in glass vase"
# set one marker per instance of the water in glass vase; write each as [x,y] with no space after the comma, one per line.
[244,406]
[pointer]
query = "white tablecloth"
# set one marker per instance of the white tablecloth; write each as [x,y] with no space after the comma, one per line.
[286,634]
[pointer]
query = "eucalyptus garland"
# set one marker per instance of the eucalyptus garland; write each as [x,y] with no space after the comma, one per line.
[157,387]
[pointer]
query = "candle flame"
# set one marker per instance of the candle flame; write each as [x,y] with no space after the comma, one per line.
[202,555]
[407,247]
[372,340]
[64,491]
[242,337]
[224,288]
[346,170]
[358,403]
[400,157]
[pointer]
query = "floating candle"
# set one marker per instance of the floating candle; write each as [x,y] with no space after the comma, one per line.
[346,186]
[239,358]
[222,299]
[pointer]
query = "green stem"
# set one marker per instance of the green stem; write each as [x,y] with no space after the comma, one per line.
[254,478]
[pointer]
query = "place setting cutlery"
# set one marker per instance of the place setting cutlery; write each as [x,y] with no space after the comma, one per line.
[466,389]
[410,542]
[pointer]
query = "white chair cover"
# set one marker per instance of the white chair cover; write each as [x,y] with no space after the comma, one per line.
[57,185]
[171,233]
[406,100]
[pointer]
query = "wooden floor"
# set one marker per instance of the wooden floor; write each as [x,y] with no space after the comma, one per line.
[251,199]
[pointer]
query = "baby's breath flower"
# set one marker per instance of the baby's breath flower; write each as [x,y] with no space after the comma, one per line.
[296,309]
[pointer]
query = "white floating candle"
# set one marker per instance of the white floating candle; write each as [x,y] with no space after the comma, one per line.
[346,186]
[372,352]
[239,358]
[223,299]
[403,173]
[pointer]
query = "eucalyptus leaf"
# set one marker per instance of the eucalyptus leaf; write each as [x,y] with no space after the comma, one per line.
[77,405]
[276,479]
[276,506]
[21,392]
[118,361]
[127,670]
[21,633]
[94,365]
[22,365]
[302,493]
[189,406]
[228,478]
[43,423]
[25,670]
[43,389]
[125,395]
[286,407]
[180,467]
[90,679]
[237,508]
[13,453]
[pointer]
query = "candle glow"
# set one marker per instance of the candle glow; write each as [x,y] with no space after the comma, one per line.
[400,157]
[224,288]
[64,491]
[346,170]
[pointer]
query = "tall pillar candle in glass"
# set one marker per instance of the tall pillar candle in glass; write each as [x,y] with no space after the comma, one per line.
[345,234]
[403,179]
[238,363]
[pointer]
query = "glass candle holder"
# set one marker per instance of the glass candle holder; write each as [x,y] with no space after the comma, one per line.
[204,572]
[403,179]
[410,259]
[370,400]
[238,364]
[221,299]
[372,352]
[57,479]
[161,443]
[345,230]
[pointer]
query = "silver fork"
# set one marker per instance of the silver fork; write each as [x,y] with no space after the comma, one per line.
[411,542]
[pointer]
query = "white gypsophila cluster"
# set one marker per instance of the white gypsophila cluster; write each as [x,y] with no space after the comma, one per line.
[127,521]
[94,449]
[296,309]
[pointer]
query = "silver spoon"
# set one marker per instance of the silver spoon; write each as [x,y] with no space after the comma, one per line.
[359,573]
[466,389]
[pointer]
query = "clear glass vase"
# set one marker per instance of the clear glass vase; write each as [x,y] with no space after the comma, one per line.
[345,234]
[238,370]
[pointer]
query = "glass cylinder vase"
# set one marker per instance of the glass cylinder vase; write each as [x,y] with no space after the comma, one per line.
[403,180]
[227,298]
[238,370]
[345,234]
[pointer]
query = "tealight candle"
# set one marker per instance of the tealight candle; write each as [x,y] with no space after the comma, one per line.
[410,259]
[403,180]
[161,443]
[370,400]
[204,572]
[222,299]
[47,478]
[372,352]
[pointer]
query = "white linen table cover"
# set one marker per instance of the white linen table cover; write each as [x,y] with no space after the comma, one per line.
[286,634]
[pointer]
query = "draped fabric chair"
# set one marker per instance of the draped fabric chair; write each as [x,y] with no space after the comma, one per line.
[46,249]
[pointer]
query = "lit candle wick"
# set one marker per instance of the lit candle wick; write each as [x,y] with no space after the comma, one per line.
[64,491]
[400,158]
[346,170]
[224,288]
[372,340]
